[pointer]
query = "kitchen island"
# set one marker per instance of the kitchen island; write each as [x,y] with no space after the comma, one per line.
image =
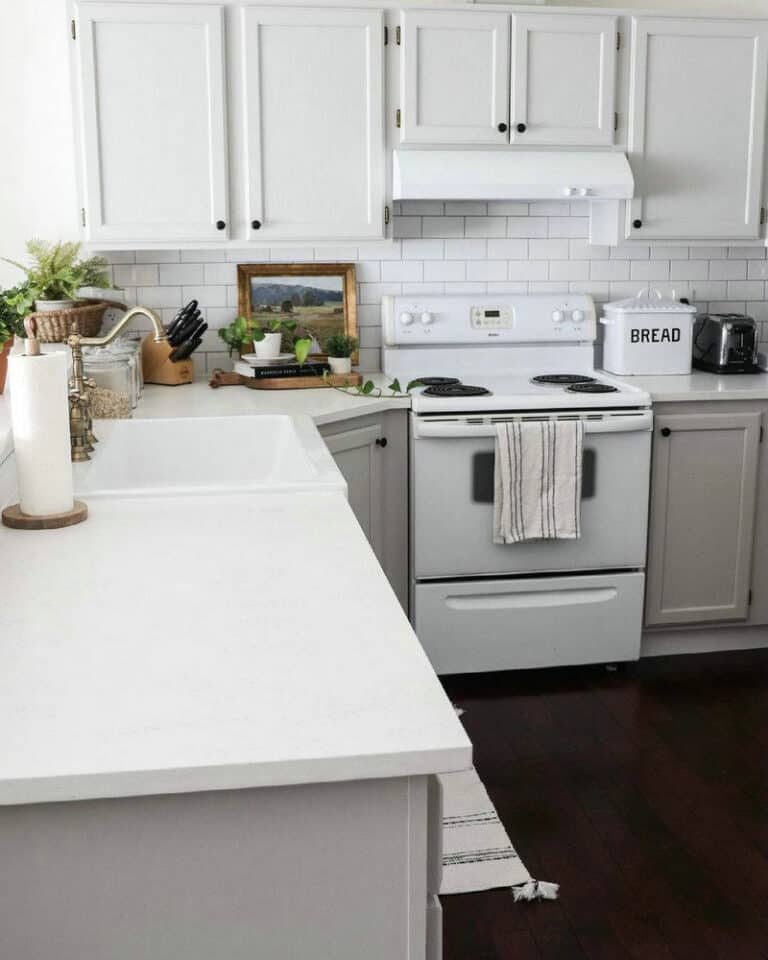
[218,738]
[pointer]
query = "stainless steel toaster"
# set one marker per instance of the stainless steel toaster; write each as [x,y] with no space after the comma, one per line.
[725,343]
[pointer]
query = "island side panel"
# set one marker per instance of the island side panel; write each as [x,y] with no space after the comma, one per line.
[329,870]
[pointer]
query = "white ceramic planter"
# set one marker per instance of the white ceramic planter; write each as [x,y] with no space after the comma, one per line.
[48,306]
[340,364]
[269,347]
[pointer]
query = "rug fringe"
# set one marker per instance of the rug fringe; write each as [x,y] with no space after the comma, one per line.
[536,890]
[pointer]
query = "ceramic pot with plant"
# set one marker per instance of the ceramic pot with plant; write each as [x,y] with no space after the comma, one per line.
[238,336]
[268,341]
[56,274]
[340,347]
[11,325]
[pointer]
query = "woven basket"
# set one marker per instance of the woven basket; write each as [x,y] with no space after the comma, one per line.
[56,326]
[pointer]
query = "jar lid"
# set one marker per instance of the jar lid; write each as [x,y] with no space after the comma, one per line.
[650,302]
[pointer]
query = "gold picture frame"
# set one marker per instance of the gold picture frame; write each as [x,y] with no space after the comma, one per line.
[320,313]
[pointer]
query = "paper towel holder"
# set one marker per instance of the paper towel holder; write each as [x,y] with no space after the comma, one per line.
[13,516]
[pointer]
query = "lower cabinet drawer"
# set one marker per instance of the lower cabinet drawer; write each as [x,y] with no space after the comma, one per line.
[478,625]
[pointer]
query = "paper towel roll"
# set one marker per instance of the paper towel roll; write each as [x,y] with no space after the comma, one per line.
[40,424]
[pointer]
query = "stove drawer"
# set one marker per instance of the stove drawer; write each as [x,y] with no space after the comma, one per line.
[479,625]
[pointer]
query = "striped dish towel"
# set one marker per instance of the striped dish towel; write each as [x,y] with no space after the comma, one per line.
[537,480]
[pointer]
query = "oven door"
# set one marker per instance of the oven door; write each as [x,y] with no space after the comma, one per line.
[452,462]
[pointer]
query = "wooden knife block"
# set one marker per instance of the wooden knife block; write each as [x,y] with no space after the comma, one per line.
[159,369]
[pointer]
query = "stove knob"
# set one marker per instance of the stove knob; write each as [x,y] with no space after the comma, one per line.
[578,316]
[558,316]
[427,318]
[406,318]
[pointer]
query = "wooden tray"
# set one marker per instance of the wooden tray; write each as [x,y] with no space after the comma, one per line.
[220,378]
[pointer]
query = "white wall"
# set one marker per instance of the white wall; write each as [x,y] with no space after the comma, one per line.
[37,172]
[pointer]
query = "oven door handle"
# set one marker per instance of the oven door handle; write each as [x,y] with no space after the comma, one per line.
[439,429]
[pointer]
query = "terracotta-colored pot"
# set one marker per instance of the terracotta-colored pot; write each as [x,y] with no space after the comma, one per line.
[4,351]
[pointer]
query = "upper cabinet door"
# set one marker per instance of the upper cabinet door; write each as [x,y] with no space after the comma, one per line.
[563,79]
[314,109]
[697,128]
[152,90]
[454,77]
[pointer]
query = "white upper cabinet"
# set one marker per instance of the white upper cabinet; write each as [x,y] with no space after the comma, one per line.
[152,114]
[697,128]
[563,79]
[454,77]
[314,115]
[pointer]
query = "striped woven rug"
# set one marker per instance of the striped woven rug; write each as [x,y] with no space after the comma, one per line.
[477,852]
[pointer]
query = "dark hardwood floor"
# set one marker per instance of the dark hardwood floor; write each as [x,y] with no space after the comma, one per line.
[644,793]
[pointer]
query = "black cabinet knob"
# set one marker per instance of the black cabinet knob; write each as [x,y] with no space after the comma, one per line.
[220,224]
[637,224]
[255,224]
[381,441]
[521,128]
[502,128]
[665,431]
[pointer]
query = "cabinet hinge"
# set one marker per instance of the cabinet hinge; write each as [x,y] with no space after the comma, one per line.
[82,215]
[397,35]
[749,599]
[386,35]
[73,29]
[762,433]
[386,215]
[618,41]
[762,216]
[615,122]
[397,118]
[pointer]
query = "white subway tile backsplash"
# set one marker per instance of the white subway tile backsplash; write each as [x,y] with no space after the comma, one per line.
[407,227]
[745,289]
[131,276]
[443,227]
[485,226]
[180,273]
[466,208]
[423,249]
[399,270]
[527,227]
[487,270]
[611,270]
[463,247]
[727,269]
[442,270]
[509,249]
[569,270]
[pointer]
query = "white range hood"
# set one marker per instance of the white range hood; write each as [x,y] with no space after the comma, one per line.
[605,179]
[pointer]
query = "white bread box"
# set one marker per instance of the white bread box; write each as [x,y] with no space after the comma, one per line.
[647,334]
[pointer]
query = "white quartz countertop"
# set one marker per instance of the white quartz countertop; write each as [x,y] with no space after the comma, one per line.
[324,405]
[207,643]
[703,386]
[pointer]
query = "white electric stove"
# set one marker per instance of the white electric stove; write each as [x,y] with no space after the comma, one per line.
[477,605]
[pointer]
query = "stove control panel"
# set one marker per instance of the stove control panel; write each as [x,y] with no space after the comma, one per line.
[492,318]
[486,320]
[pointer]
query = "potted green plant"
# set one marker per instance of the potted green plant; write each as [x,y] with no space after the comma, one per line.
[237,335]
[268,341]
[55,275]
[11,325]
[340,347]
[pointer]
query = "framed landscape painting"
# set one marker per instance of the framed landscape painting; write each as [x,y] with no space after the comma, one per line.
[320,297]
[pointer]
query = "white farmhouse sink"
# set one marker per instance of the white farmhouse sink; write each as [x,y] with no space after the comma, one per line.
[207,455]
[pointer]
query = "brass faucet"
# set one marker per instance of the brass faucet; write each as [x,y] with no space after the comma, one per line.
[81,433]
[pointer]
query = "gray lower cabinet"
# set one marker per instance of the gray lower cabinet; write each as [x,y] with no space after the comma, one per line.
[704,506]
[372,453]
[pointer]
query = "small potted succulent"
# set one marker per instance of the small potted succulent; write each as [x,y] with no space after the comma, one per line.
[340,347]
[11,325]
[55,275]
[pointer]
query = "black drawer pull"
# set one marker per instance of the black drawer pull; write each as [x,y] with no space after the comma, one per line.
[220,224]
[665,431]
[381,441]
[256,224]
